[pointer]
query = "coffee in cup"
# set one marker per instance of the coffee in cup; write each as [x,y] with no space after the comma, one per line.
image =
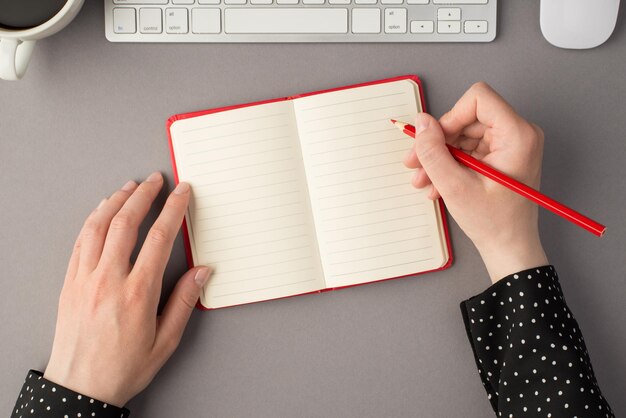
[26,14]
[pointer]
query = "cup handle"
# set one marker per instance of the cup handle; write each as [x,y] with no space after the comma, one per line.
[14,57]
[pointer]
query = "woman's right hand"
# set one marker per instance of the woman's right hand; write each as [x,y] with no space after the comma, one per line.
[502,224]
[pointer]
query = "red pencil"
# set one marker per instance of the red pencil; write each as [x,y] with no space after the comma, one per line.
[514,185]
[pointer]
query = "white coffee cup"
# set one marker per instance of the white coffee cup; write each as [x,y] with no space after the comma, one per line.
[16,45]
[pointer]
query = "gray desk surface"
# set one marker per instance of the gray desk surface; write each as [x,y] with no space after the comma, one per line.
[90,114]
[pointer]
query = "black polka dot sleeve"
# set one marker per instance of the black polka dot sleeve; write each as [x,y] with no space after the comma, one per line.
[530,353]
[41,398]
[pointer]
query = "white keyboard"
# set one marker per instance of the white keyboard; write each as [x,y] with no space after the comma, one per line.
[300,20]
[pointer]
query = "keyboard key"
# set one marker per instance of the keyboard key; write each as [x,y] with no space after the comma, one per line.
[209,1]
[151,2]
[422,26]
[260,1]
[366,20]
[461,1]
[391,1]
[313,1]
[235,1]
[270,20]
[182,1]
[338,1]
[449,27]
[205,21]
[449,14]
[176,21]
[475,26]
[124,20]
[417,1]
[150,20]
[365,1]
[395,20]
[287,1]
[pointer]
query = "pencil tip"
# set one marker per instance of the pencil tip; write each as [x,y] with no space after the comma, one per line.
[393,121]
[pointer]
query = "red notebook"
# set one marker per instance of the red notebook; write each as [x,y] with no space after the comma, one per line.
[306,193]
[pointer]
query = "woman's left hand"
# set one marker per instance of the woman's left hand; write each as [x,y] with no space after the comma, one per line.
[109,342]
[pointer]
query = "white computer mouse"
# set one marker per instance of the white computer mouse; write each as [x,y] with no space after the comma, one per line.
[578,24]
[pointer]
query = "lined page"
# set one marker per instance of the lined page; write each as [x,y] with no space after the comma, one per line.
[371,223]
[250,215]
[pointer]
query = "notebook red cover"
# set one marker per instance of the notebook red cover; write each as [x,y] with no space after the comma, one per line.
[187,243]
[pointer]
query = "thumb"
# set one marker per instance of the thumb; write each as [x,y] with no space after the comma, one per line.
[179,307]
[431,150]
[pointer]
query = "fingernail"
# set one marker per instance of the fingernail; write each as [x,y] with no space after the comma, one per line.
[421,122]
[414,177]
[202,276]
[101,203]
[182,188]
[154,177]
[131,185]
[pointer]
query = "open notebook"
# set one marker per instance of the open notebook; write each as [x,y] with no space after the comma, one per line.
[305,193]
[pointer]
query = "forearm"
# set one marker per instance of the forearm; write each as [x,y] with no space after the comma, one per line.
[529,350]
[504,259]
